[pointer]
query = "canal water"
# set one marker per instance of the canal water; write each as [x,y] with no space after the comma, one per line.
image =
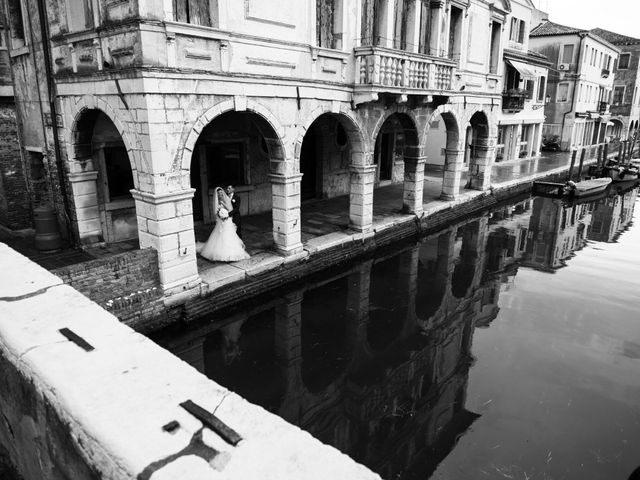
[505,346]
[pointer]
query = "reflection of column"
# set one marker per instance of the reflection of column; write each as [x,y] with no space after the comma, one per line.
[361,197]
[408,275]
[288,317]
[480,170]
[165,223]
[358,304]
[413,180]
[285,189]
[453,165]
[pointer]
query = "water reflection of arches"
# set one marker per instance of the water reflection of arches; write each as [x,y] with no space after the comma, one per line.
[433,276]
[465,269]
[257,375]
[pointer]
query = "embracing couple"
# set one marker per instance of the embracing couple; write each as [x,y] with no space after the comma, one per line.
[224,243]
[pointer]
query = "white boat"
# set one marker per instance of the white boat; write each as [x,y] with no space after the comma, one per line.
[622,173]
[585,188]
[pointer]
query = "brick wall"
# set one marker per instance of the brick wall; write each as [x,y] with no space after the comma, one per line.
[127,285]
[15,206]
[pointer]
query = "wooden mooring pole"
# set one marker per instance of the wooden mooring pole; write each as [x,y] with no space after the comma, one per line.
[582,155]
[605,154]
[599,157]
[574,154]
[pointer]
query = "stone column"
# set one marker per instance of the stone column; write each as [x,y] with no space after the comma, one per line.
[412,197]
[454,162]
[165,223]
[480,170]
[85,196]
[285,190]
[361,197]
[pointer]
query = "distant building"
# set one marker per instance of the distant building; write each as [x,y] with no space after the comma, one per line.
[580,83]
[521,119]
[625,102]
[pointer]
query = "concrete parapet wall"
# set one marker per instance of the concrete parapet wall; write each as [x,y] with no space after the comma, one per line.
[72,413]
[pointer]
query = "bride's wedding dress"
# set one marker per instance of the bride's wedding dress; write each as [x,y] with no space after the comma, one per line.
[223,244]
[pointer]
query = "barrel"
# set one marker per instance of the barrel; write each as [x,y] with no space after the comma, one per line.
[47,230]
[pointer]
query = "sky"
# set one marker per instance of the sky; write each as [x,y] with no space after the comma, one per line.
[620,16]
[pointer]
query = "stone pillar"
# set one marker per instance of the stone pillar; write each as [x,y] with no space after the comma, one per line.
[453,165]
[286,212]
[361,197]
[412,197]
[85,196]
[480,170]
[165,223]
[413,26]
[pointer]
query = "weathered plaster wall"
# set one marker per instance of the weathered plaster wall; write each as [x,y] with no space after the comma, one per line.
[100,413]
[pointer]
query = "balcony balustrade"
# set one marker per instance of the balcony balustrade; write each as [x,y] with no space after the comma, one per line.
[397,71]
[513,100]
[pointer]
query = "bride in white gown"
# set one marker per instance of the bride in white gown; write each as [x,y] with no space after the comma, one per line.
[223,244]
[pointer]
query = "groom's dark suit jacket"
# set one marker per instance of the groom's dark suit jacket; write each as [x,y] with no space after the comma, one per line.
[235,214]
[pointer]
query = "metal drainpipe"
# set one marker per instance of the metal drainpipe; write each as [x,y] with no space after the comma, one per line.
[44,32]
[575,89]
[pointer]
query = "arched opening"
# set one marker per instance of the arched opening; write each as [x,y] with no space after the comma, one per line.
[325,157]
[107,209]
[465,266]
[397,135]
[332,144]
[236,148]
[445,162]
[477,151]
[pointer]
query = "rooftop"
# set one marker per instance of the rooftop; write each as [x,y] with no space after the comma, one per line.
[551,28]
[615,38]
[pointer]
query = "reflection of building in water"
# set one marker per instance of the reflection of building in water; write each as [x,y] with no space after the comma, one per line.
[374,362]
[612,216]
[556,232]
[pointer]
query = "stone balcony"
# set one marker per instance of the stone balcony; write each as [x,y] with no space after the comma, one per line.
[384,70]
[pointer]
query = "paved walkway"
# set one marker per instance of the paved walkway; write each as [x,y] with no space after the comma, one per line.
[324,223]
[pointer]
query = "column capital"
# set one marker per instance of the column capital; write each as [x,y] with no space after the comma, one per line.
[363,168]
[83,176]
[157,199]
[285,179]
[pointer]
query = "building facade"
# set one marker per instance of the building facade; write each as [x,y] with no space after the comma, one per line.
[138,109]
[625,104]
[580,84]
[521,119]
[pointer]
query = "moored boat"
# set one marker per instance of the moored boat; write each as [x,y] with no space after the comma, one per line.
[586,188]
[622,173]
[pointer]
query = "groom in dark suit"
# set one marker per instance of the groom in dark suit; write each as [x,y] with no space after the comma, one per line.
[235,213]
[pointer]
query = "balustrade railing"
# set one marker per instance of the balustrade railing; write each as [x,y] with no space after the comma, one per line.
[398,69]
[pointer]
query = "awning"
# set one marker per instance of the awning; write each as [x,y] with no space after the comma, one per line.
[525,71]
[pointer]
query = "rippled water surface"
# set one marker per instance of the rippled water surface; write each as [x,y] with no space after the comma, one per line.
[506,346]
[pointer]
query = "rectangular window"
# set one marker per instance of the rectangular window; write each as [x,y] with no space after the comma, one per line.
[196,12]
[513,34]
[325,13]
[567,54]
[17,37]
[618,94]
[563,92]
[541,85]
[529,87]
[623,63]
[522,32]
[80,15]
